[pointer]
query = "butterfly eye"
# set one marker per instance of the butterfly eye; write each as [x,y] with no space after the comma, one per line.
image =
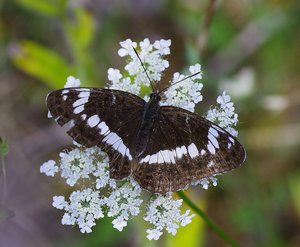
[151,95]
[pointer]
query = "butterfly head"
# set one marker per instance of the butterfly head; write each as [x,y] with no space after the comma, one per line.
[155,97]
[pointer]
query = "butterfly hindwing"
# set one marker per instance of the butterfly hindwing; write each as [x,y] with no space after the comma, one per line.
[103,117]
[185,147]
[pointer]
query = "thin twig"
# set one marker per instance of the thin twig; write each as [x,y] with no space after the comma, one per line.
[203,35]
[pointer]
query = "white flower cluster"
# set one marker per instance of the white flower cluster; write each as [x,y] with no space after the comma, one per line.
[75,165]
[224,115]
[152,57]
[84,208]
[164,213]
[123,203]
[89,167]
[205,182]
[49,168]
[187,93]
[120,199]
[72,82]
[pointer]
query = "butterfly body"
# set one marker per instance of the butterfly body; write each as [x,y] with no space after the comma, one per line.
[164,148]
[151,109]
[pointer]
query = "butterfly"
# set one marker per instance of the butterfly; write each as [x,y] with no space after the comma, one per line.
[164,148]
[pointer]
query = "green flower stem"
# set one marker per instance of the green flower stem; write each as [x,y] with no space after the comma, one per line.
[4,179]
[208,221]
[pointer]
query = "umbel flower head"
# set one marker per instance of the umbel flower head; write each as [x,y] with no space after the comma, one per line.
[121,200]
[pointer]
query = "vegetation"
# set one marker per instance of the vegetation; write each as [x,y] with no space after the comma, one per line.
[248,48]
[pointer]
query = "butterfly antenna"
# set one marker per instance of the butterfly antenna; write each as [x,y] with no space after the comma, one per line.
[144,68]
[185,78]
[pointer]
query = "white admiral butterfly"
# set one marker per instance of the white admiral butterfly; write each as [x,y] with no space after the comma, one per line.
[164,148]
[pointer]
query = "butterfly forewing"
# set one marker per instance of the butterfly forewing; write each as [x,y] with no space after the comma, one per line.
[103,117]
[185,147]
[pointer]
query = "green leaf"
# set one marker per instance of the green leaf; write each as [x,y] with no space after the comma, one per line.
[43,7]
[6,213]
[4,147]
[294,186]
[80,32]
[42,63]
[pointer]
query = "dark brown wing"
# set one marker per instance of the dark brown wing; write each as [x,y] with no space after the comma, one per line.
[100,117]
[185,147]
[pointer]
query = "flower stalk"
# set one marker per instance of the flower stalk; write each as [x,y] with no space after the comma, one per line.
[207,220]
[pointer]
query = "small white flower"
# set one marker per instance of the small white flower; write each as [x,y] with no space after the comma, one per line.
[153,234]
[85,224]
[163,46]
[133,68]
[186,218]
[177,77]
[49,168]
[164,213]
[72,82]
[146,46]
[68,219]
[224,99]
[86,227]
[196,69]
[119,223]
[127,47]
[214,180]
[232,131]
[114,75]
[59,202]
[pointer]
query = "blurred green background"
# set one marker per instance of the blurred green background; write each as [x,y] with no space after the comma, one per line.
[251,49]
